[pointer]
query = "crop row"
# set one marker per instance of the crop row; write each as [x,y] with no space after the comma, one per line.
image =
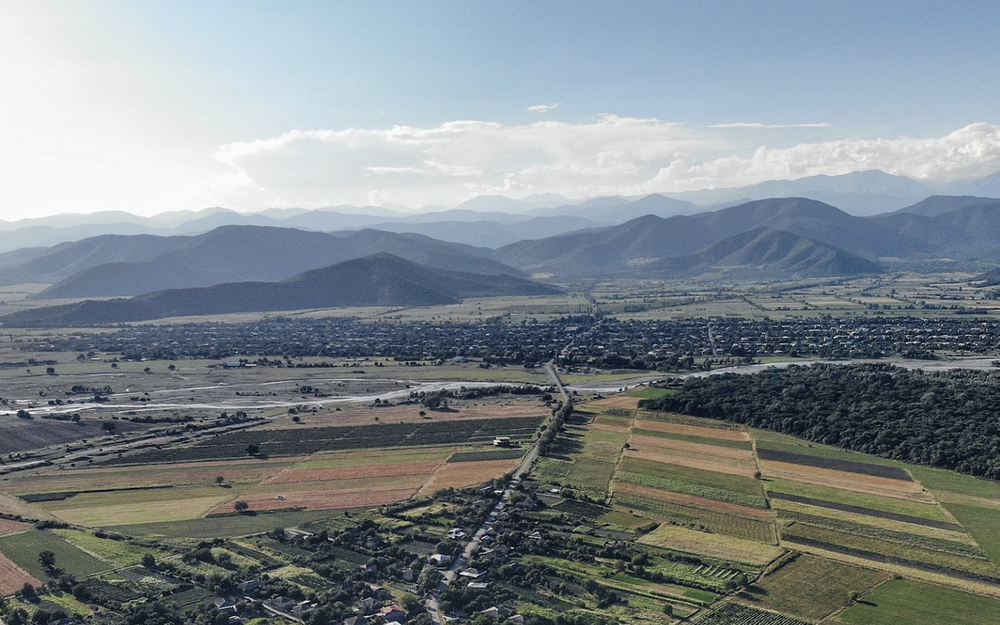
[687,488]
[849,466]
[925,542]
[491,454]
[719,522]
[892,551]
[305,441]
[881,514]
[738,614]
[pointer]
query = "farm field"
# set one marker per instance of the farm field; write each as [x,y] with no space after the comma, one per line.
[906,602]
[293,467]
[810,588]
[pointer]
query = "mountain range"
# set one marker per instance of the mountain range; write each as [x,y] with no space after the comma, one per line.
[495,221]
[376,280]
[261,268]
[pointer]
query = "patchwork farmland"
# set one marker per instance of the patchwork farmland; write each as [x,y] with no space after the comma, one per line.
[817,526]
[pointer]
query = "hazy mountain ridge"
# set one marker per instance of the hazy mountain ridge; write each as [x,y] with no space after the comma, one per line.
[377,280]
[244,253]
[859,193]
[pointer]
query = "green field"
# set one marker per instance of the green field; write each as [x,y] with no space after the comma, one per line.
[875,502]
[711,479]
[678,486]
[24,548]
[652,393]
[889,548]
[984,525]
[906,602]
[697,518]
[810,587]
[590,474]
[118,552]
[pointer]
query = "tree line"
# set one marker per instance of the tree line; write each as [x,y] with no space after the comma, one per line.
[947,420]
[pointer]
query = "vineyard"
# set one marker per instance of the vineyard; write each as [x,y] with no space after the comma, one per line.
[736,614]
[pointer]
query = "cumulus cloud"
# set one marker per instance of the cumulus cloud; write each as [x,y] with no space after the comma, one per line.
[544,108]
[969,152]
[762,126]
[609,154]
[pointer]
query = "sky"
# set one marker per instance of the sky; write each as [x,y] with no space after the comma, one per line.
[149,106]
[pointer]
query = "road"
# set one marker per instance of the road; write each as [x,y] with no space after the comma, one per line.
[475,542]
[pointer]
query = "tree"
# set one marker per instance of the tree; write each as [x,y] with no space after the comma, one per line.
[241,506]
[28,591]
[50,370]
[220,480]
[149,561]
[109,426]
[253,449]
[47,559]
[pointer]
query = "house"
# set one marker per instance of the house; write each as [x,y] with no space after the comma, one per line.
[440,560]
[516,619]
[367,605]
[492,613]
[408,575]
[501,441]
[285,604]
[478,585]
[473,574]
[368,569]
[303,608]
[392,613]
[356,620]
[225,605]
[251,587]
[456,533]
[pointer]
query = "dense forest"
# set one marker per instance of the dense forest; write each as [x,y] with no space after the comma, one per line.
[949,420]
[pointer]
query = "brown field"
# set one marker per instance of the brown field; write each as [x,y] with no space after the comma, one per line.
[695,501]
[709,451]
[847,481]
[8,527]
[186,473]
[363,471]
[393,481]
[702,462]
[403,414]
[13,577]
[462,474]
[619,401]
[691,430]
[321,500]
[16,507]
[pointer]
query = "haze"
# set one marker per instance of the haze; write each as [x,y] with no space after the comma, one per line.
[154,106]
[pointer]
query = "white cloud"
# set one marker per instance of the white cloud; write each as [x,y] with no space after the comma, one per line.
[544,108]
[762,126]
[610,154]
[969,152]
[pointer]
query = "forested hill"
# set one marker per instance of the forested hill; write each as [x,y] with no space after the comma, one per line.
[946,420]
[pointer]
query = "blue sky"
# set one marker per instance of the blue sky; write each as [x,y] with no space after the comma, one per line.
[161,105]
